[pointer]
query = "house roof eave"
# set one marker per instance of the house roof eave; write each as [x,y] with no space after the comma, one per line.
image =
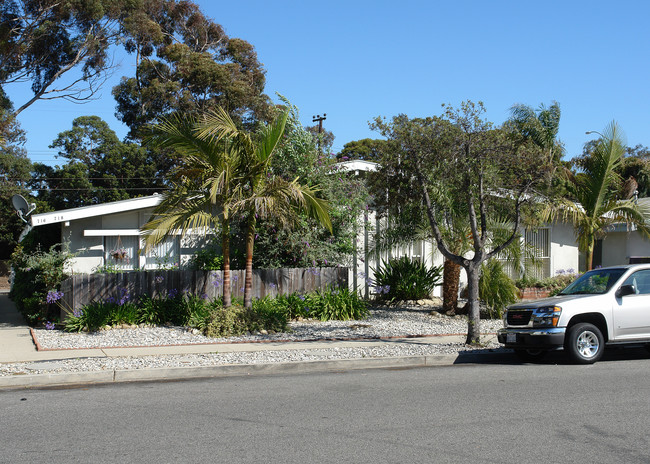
[101,209]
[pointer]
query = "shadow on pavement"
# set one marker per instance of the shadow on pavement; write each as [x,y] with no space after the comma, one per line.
[9,315]
[503,356]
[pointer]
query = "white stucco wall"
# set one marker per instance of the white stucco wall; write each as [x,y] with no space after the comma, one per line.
[618,247]
[89,251]
[564,249]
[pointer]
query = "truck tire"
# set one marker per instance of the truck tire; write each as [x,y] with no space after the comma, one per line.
[530,355]
[584,343]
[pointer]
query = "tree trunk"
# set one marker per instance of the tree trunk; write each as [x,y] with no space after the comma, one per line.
[225,245]
[450,284]
[473,314]
[589,255]
[250,241]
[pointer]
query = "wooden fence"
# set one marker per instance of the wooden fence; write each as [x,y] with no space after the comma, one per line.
[81,289]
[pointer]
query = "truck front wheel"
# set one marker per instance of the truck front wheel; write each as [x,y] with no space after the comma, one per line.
[584,343]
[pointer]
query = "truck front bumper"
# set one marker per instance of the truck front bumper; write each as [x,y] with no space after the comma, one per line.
[551,338]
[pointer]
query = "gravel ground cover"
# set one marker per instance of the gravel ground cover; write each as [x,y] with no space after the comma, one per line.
[382,322]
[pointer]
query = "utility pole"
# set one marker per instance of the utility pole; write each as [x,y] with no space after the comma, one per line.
[318,118]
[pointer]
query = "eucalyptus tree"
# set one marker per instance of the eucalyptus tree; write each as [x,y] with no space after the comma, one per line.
[462,156]
[594,198]
[259,193]
[45,41]
[15,169]
[186,62]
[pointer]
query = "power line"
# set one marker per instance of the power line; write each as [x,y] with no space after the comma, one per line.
[93,189]
[39,179]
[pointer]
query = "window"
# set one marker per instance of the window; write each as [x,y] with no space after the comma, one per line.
[641,282]
[538,241]
[121,252]
[538,244]
[165,255]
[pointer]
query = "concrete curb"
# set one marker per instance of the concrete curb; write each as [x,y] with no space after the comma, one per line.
[181,373]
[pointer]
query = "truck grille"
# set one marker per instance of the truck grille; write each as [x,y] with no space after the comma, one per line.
[519,317]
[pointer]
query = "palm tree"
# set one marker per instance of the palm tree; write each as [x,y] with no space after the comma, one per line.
[259,194]
[204,186]
[541,126]
[594,202]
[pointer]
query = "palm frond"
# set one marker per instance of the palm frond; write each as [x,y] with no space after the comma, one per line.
[271,137]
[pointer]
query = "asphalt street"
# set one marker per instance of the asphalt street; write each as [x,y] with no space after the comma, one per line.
[495,412]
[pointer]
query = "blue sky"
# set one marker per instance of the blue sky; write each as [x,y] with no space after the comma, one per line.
[355,60]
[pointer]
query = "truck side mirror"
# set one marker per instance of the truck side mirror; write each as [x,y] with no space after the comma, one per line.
[625,290]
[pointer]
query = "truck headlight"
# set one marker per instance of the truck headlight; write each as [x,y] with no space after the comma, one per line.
[547,317]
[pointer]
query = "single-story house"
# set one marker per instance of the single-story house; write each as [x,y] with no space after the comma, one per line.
[108,235]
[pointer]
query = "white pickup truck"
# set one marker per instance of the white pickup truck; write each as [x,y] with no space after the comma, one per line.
[605,306]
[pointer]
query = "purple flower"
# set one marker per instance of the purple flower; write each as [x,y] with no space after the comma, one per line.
[204,296]
[159,279]
[53,296]
[172,293]
[124,296]
[302,297]
[49,325]
[272,285]
[77,312]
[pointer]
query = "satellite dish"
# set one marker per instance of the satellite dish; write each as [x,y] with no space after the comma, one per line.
[21,206]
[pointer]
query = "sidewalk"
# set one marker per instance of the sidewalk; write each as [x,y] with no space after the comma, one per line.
[17,346]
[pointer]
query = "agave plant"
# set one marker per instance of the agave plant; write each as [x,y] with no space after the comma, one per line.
[406,279]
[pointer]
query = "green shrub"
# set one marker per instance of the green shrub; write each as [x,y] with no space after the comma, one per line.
[207,259]
[197,310]
[270,314]
[554,284]
[75,322]
[293,305]
[92,317]
[225,322]
[337,304]
[33,309]
[406,279]
[124,314]
[37,273]
[496,289]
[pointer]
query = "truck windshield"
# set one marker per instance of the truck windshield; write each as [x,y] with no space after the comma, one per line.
[594,282]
